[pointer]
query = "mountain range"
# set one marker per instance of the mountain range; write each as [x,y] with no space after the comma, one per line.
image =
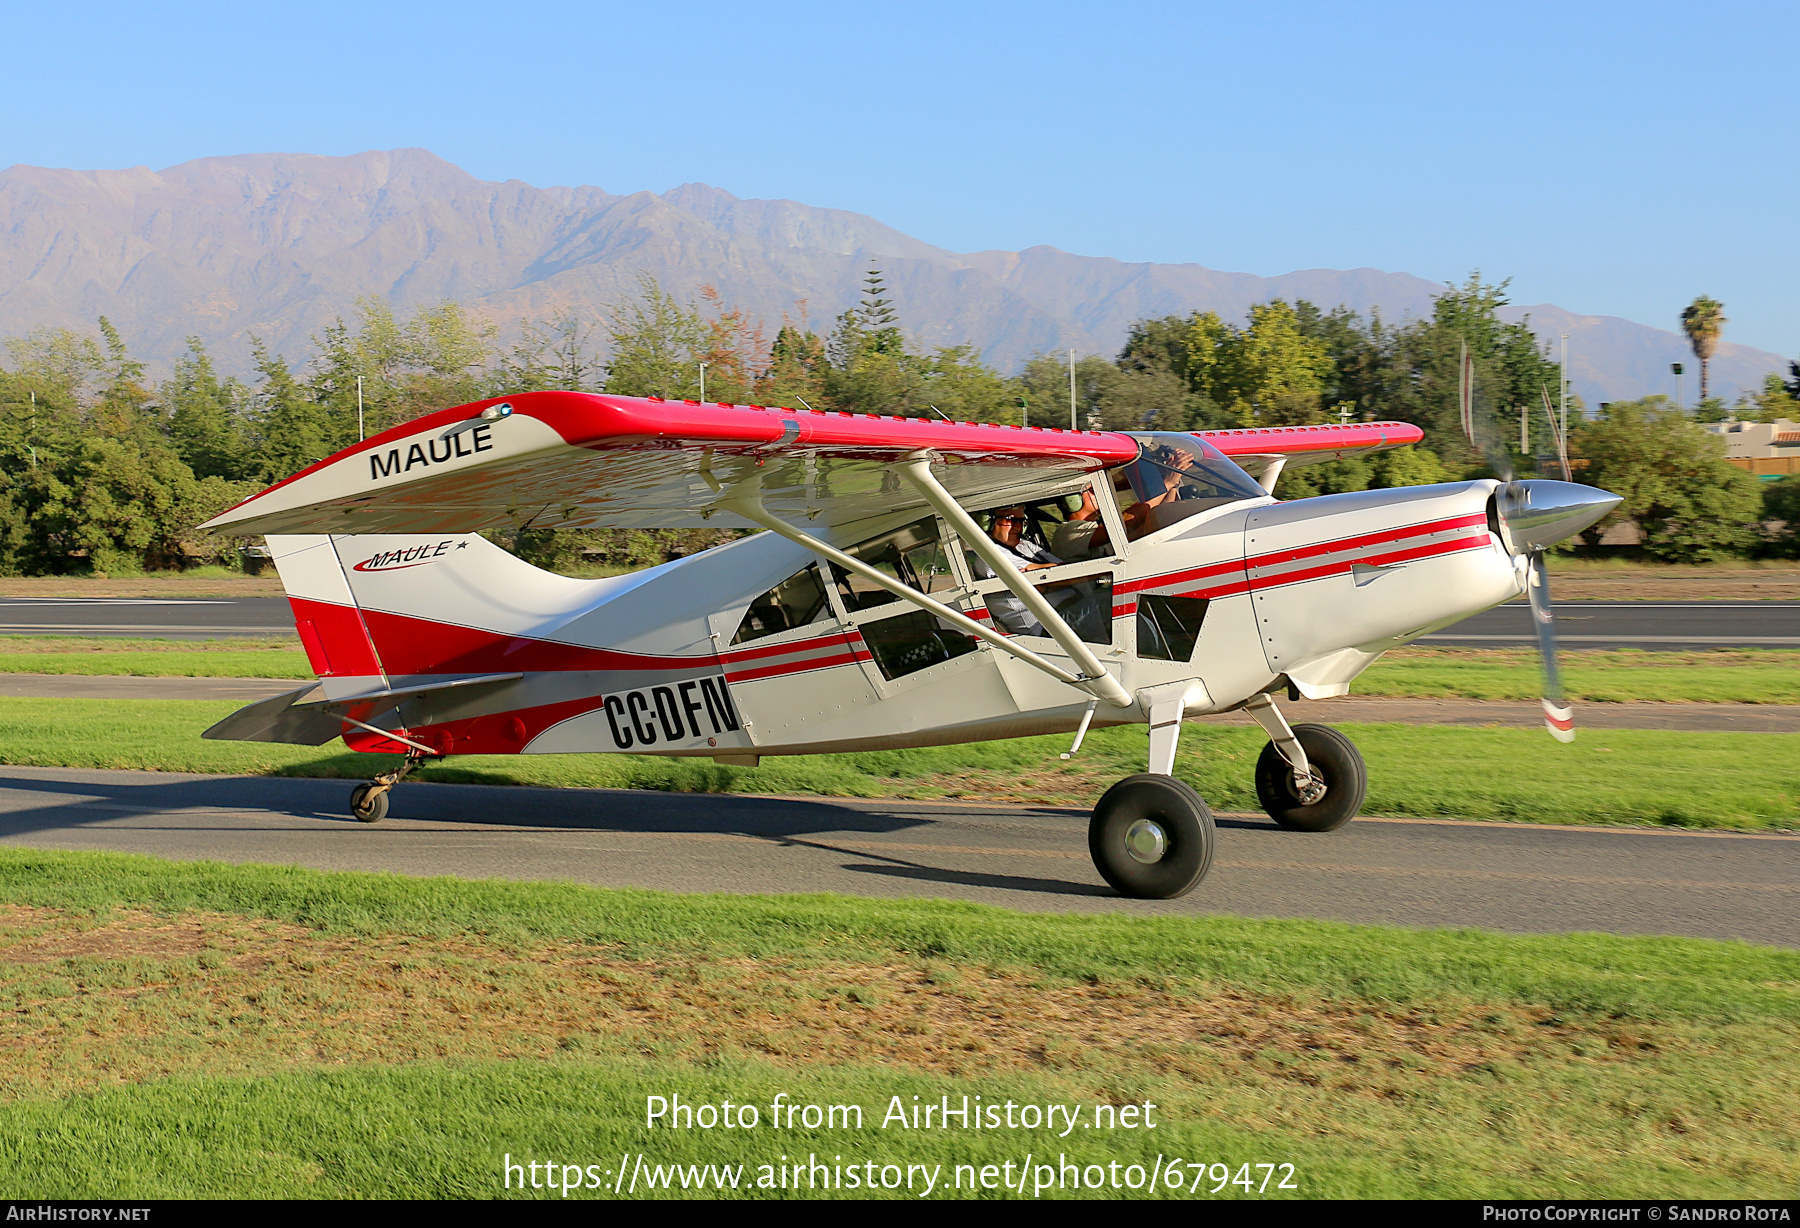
[280,245]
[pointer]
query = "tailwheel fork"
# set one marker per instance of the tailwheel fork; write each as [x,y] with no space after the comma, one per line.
[369,800]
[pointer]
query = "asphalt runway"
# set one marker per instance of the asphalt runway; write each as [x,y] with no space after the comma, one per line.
[1512,877]
[147,618]
[1651,625]
[1666,626]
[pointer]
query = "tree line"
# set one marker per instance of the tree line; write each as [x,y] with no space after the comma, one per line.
[103,471]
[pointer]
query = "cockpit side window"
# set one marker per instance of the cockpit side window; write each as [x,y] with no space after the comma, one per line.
[913,554]
[797,601]
[1177,476]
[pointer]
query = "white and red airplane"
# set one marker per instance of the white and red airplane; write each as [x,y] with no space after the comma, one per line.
[922,583]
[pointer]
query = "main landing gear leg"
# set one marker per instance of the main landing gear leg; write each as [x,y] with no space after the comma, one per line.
[1309,777]
[1151,835]
[369,801]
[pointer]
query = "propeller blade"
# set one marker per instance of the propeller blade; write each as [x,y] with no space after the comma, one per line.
[1478,421]
[1559,717]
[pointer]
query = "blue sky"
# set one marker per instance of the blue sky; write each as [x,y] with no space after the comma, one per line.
[1612,158]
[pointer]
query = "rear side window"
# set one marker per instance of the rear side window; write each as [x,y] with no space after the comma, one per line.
[795,602]
[1169,627]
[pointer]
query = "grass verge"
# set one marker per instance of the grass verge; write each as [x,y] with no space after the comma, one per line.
[195,1030]
[1749,781]
[236,658]
[1719,676]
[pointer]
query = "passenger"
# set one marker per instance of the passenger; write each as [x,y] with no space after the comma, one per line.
[1140,517]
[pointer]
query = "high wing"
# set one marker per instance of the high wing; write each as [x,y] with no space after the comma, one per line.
[574,460]
[1263,450]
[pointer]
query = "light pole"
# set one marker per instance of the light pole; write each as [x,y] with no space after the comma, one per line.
[703,383]
[1562,378]
[360,433]
[1675,370]
[1072,390]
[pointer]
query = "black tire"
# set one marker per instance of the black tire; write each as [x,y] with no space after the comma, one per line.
[1174,837]
[367,806]
[1334,760]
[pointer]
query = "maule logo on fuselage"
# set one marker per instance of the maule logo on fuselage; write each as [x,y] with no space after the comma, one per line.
[457,443]
[412,556]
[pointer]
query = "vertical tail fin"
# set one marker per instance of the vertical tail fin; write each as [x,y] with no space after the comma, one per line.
[374,610]
[331,627]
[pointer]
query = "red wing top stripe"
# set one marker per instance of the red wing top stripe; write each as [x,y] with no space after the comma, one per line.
[1329,437]
[586,420]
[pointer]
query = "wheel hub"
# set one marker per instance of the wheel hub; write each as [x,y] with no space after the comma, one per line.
[1146,842]
[1310,789]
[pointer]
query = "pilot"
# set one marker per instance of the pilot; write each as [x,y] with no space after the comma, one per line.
[1010,614]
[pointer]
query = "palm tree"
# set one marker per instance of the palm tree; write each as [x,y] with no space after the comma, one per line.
[1703,321]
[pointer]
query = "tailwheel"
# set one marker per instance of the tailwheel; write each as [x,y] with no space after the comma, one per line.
[1151,837]
[1333,792]
[369,802]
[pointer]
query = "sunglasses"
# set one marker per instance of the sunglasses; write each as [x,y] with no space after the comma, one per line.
[1009,520]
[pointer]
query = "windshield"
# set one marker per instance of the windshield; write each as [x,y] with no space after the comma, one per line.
[1186,471]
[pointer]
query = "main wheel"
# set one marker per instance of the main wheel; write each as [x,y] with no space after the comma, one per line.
[1335,764]
[367,805]
[1151,837]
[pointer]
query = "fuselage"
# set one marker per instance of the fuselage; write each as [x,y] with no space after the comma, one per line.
[738,652]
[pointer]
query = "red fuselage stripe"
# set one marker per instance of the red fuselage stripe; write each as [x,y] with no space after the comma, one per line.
[797,667]
[1275,559]
[835,639]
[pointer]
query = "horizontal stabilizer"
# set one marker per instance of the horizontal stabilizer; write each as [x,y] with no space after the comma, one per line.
[278,720]
[293,719]
[373,703]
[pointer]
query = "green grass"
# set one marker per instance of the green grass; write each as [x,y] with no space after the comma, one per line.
[445,1131]
[1748,781]
[1686,978]
[357,1035]
[1726,675]
[235,658]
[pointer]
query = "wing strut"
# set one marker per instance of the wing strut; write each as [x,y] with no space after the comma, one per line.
[1095,679]
[746,501]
